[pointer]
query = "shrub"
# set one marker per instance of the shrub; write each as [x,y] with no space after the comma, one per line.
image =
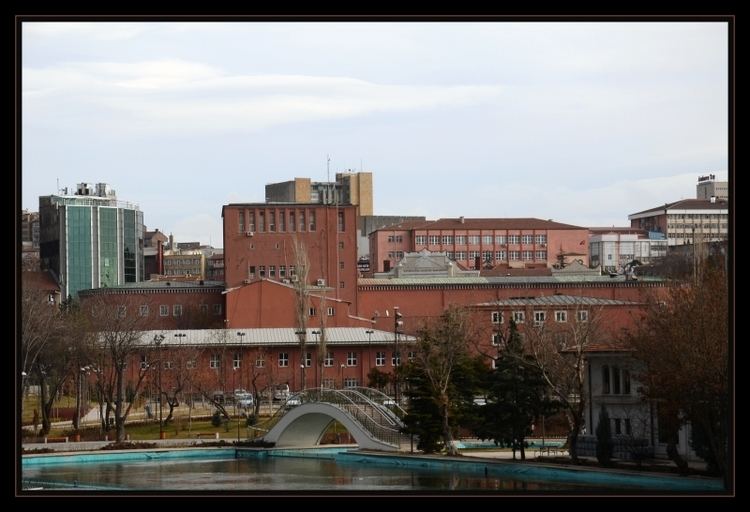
[216,419]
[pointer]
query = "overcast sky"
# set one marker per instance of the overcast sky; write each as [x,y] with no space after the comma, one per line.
[583,123]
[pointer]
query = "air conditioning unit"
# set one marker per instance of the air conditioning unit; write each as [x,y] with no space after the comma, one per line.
[321,282]
[246,281]
[285,281]
[250,233]
[295,278]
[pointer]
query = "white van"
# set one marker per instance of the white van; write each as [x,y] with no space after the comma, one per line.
[281,392]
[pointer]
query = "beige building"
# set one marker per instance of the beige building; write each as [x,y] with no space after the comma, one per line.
[350,188]
[190,263]
[709,187]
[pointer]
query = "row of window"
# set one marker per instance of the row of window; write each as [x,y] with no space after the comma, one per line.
[498,255]
[144,310]
[188,262]
[352,359]
[296,220]
[540,317]
[395,238]
[269,272]
[475,239]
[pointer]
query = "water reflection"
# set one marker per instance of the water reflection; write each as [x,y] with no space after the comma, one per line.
[274,473]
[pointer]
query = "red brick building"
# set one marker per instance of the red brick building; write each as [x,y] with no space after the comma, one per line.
[259,245]
[519,243]
[167,304]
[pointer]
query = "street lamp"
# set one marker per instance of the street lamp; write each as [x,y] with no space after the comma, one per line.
[235,406]
[321,355]
[83,371]
[302,334]
[342,375]
[397,322]
[369,353]
[157,341]
[241,335]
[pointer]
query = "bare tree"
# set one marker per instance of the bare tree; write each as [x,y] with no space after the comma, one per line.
[683,341]
[120,330]
[40,318]
[560,354]
[301,295]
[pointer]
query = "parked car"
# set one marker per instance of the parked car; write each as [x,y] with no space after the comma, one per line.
[281,392]
[244,400]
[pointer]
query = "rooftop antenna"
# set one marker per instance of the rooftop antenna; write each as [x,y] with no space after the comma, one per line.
[328,177]
[58,185]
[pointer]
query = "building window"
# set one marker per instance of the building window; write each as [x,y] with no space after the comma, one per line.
[527,239]
[433,239]
[143,310]
[351,359]
[539,317]
[308,359]
[262,271]
[487,256]
[561,316]
[328,360]
[461,255]
[500,256]
[541,255]
[282,271]
[144,362]
[241,215]
[379,358]
[341,224]
[283,359]
[272,221]
[191,364]
[395,359]
[540,239]
[513,239]
[447,240]
[493,364]
[341,284]
[583,316]
[499,240]
[341,265]
[217,309]
[292,222]
[282,220]
[331,311]
[272,271]
[260,362]
[519,317]
[626,382]
[496,339]
[514,255]
[122,311]
[177,310]
[473,239]
[487,239]
[313,311]
[302,220]
[328,383]
[215,361]
[341,245]
[497,317]
[351,382]
[616,380]
[527,255]
[618,426]
[236,360]
[261,221]
[628,430]
[312,220]
[420,239]
[460,239]
[605,380]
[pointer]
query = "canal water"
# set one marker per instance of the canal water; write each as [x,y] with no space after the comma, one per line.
[269,474]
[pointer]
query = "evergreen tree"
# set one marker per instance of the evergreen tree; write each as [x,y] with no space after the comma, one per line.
[604,443]
[516,395]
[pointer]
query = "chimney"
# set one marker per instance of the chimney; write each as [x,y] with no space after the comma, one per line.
[461,219]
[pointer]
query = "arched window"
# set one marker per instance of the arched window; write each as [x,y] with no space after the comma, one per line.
[605,379]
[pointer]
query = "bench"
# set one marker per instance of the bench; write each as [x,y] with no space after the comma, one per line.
[215,435]
[55,440]
[548,450]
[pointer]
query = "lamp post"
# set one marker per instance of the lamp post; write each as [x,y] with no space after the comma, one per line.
[241,335]
[234,369]
[397,322]
[369,353]
[321,355]
[342,375]
[157,341]
[83,371]
[301,334]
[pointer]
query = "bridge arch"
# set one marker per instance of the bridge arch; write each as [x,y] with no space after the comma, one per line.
[305,425]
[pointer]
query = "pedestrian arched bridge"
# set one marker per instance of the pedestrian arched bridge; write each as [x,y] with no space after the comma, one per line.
[371,417]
